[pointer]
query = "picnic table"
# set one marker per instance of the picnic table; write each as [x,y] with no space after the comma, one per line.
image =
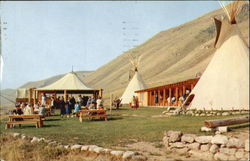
[92,113]
[25,119]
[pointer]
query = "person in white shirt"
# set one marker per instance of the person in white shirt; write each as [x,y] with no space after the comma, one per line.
[99,102]
[43,99]
[28,110]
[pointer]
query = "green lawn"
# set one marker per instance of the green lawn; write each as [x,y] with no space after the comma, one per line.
[119,130]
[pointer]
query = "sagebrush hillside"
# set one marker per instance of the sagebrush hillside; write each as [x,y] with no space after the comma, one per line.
[172,55]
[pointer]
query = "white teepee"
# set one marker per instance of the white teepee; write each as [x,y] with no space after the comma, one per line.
[135,84]
[224,84]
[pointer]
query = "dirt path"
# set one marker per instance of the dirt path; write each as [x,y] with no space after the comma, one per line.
[157,152]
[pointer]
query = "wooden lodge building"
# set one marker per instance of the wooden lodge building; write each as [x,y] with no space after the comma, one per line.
[162,95]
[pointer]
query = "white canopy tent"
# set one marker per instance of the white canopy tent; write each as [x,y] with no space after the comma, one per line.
[69,84]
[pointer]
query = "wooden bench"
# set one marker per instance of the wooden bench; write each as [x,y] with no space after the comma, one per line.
[25,119]
[92,113]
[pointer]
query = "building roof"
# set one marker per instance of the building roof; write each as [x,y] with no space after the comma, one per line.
[69,82]
[189,81]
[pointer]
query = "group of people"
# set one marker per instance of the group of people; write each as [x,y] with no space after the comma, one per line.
[171,100]
[72,106]
[67,107]
[134,102]
[117,102]
[29,109]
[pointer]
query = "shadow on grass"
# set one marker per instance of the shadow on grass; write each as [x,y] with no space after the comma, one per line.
[239,126]
[120,109]
[53,119]
[50,126]
[32,126]
[114,118]
[109,119]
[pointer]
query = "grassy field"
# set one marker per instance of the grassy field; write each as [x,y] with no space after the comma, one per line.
[124,126]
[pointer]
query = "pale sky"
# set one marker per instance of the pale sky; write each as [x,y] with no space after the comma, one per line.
[43,39]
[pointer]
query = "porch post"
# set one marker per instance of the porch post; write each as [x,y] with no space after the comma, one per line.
[65,94]
[159,97]
[164,97]
[154,98]
[170,96]
[176,96]
[149,100]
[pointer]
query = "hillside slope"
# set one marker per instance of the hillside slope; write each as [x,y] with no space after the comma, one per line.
[170,56]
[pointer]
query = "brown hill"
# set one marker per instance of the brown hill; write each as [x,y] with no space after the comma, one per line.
[170,56]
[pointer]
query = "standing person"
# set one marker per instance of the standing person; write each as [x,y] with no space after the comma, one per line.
[44,99]
[53,105]
[133,102]
[99,102]
[62,107]
[80,100]
[85,100]
[67,108]
[77,109]
[58,102]
[93,100]
[136,102]
[88,102]
[156,99]
[117,102]
[72,103]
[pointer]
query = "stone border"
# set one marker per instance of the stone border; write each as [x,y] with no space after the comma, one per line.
[178,111]
[217,147]
[123,155]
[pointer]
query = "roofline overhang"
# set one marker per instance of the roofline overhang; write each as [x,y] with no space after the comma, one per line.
[68,89]
[167,85]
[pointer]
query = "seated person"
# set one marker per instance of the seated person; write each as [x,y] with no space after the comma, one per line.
[92,107]
[100,108]
[28,110]
[18,111]
[42,111]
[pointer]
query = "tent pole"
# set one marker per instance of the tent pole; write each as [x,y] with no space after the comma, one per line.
[65,94]
[164,96]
